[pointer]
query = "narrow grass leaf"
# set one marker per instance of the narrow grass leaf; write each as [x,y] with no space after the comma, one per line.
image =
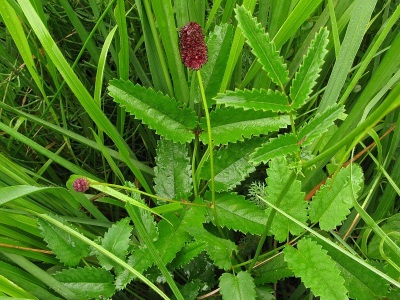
[173,178]
[220,250]
[237,213]
[282,145]
[316,269]
[293,202]
[231,164]
[239,287]
[320,124]
[67,248]
[262,46]
[159,112]
[230,125]
[255,99]
[115,240]
[306,76]
[351,43]
[88,282]
[333,201]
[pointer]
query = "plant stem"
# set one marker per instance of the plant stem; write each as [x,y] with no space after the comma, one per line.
[210,141]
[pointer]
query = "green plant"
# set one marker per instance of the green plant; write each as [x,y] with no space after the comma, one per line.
[194,213]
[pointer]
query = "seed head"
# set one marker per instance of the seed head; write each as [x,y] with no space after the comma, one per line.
[81,184]
[192,46]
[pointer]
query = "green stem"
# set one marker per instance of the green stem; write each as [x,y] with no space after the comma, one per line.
[194,177]
[210,142]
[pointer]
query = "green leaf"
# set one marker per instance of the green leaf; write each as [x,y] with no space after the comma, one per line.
[173,178]
[262,47]
[320,124]
[173,237]
[274,270]
[361,282]
[239,287]
[237,213]
[255,99]
[219,43]
[280,146]
[333,201]
[230,125]
[306,77]
[316,269]
[88,282]
[116,240]
[220,250]
[293,202]
[187,253]
[159,112]
[231,164]
[67,248]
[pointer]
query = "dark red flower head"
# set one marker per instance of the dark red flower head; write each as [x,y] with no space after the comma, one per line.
[81,184]
[192,46]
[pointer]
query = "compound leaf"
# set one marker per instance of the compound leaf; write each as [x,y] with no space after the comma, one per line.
[158,111]
[173,178]
[116,240]
[316,269]
[240,287]
[280,146]
[320,124]
[231,164]
[229,125]
[89,282]
[292,202]
[333,201]
[220,250]
[67,248]
[237,213]
[255,99]
[306,76]
[262,46]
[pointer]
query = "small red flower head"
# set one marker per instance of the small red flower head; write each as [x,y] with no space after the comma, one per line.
[81,184]
[192,46]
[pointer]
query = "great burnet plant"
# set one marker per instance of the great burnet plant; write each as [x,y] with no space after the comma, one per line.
[206,150]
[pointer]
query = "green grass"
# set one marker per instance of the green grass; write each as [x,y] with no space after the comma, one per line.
[167,207]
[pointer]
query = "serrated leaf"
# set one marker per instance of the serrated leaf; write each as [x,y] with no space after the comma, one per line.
[173,237]
[292,203]
[274,270]
[262,46]
[173,178]
[88,282]
[333,201]
[237,213]
[191,289]
[159,112]
[219,250]
[306,77]
[239,287]
[187,253]
[320,124]
[280,146]
[116,240]
[231,164]
[316,269]
[140,260]
[229,125]
[361,282]
[67,248]
[255,99]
